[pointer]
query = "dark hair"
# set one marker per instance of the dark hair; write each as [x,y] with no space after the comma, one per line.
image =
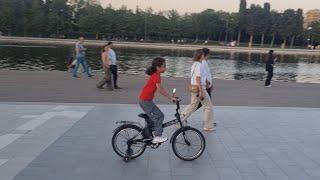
[197,55]
[206,51]
[156,62]
[271,52]
[102,50]
[109,43]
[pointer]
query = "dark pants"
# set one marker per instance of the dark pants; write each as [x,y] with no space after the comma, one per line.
[114,72]
[269,77]
[209,92]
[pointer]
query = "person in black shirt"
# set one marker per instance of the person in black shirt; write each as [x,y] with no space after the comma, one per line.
[269,68]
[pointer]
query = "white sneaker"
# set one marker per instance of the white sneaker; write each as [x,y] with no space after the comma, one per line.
[268,86]
[210,129]
[159,139]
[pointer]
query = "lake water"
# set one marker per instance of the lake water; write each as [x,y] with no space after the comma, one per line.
[294,68]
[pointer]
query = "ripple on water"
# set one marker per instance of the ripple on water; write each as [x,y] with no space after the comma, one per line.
[249,66]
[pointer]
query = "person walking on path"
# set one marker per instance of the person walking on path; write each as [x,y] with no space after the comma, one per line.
[208,74]
[152,86]
[269,68]
[199,93]
[80,56]
[106,68]
[113,65]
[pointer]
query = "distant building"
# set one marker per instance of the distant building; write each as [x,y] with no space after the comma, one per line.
[311,16]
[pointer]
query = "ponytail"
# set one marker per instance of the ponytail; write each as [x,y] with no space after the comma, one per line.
[151,70]
[156,62]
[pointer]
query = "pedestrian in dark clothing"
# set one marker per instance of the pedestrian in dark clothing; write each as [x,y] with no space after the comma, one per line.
[269,68]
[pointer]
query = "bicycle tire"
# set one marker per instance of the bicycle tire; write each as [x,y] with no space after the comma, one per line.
[114,138]
[174,143]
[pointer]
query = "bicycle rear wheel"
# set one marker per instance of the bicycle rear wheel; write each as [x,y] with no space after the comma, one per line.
[188,143]
[123,141]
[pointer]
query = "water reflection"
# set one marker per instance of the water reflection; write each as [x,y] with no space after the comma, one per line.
[296,68]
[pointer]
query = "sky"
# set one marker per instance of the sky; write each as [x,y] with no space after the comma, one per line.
[198,5]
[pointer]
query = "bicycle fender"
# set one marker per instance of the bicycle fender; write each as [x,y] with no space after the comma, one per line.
[124,123]
[129,122]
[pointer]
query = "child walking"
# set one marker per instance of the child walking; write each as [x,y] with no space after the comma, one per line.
[152,86]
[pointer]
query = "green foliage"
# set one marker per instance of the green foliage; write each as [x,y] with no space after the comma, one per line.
[53,18]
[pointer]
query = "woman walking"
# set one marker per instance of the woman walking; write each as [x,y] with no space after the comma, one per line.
[208,74]
[199,93]
[106,68]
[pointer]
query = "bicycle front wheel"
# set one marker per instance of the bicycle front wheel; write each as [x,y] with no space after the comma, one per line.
[188,143]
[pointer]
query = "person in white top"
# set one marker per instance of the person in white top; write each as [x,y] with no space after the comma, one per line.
[113,65]
[208,74]
[106,68]
[199,93]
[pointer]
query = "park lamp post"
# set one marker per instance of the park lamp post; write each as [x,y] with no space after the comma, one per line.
[309,35]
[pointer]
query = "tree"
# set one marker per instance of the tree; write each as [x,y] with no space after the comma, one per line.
[298,28]
[53,18]
[255,24]
[59,17]
[287,25]
[266,21]
[275,25]
[6,17]
[242,18]
[315,32]
[91,19]
[36,19]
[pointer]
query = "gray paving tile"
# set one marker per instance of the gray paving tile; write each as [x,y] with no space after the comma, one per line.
[247,145]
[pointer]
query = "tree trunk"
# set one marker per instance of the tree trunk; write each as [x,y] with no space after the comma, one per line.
[250,42]
[262,40]
[292,42]
[284,43]
[97,35]
[272,41]
[220,37]
[226,39]
[239,38]
[197,38]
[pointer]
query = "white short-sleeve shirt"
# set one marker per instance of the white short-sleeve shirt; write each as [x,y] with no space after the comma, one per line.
[112,57]
[197,71]
[206,68]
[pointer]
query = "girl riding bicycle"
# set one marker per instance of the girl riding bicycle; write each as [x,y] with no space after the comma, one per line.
[147,94]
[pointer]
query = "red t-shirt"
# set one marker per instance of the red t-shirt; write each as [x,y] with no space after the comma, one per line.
[149,89]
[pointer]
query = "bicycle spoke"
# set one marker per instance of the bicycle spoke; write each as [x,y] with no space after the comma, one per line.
[181,143]
[123,136]
[127,134]
[185,149]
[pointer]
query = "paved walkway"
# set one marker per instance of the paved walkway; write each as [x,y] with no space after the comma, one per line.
[45,141]
[44,86]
